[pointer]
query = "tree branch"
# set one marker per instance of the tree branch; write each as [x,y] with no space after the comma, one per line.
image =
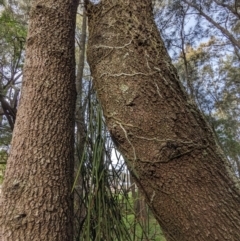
[224,31]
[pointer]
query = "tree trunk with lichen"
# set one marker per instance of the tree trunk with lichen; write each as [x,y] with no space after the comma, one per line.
[36,201]
[169,147]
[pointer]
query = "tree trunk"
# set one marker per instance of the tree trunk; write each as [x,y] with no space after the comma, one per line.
[36,196]
[171,150]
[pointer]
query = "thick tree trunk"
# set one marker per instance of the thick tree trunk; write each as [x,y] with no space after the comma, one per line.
[170,149]
[36,196]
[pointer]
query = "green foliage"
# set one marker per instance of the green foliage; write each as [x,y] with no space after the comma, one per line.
[137,232]
[214,78]
[102,219]
[12,39]
[5,138]
[186,21]
[139,228]
[2,170]
[5,135]
[108,207]
[11,28]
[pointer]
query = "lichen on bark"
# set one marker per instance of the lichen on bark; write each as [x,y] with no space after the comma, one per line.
[169,147]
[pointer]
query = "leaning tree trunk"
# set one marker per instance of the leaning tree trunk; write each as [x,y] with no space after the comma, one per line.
[36,196]
[170,149]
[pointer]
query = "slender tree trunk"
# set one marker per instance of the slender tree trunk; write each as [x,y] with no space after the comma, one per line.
[36,196]
[171,151]
[79,209]
[184,57]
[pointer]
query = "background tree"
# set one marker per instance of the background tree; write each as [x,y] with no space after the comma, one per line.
[223,24]
[216,93]
[12,40]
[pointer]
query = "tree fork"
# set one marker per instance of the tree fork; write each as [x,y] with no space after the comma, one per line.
[168,145]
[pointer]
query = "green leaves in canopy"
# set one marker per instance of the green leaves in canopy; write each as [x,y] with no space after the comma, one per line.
[11,29]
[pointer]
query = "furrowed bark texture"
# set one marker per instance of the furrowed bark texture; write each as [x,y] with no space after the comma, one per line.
[170,149]
[36,199]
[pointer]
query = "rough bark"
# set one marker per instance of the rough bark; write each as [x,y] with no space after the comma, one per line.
[171,150]
[36,195]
